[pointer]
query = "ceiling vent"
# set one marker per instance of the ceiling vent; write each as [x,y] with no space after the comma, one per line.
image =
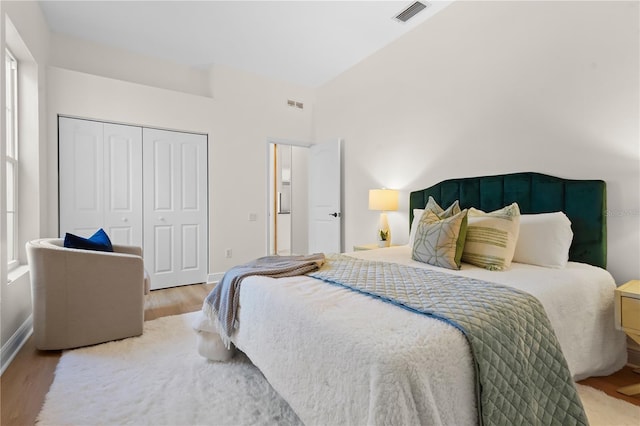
[411,11]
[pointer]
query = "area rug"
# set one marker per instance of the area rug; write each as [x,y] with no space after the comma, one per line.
[160,379]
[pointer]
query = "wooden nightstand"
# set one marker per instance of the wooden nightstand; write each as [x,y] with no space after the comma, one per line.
[363,247]
[627,312]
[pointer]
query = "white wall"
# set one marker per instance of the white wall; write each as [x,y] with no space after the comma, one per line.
[25,31]
[246,111]
[490,88]
[252,110]
[98,59]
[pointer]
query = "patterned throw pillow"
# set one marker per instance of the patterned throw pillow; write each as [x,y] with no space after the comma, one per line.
[491,237]
[442,213]
[434,207]
[440,242]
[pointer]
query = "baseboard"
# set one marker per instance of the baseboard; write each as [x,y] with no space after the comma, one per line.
[14,344]
[633,358]
[215,277]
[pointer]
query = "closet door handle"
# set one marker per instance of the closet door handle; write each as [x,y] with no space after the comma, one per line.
[124,219]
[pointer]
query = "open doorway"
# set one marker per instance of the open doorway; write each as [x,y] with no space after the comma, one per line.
[288,203]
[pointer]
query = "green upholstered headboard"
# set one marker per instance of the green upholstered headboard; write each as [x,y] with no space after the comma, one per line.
[583,201]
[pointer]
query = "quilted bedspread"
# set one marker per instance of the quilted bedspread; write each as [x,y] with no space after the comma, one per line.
[521,374]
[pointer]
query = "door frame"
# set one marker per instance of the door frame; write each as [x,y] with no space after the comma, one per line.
[268,146]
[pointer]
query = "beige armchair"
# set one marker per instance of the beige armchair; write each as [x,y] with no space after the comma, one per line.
[84,297]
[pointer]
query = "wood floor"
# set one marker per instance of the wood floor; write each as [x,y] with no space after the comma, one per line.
[26,381]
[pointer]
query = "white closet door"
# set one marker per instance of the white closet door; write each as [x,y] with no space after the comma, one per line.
[175,205]
[100,168]
[81,177]
[123,184]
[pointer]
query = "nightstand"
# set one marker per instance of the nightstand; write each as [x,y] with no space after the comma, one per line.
[627,313]
[363,247]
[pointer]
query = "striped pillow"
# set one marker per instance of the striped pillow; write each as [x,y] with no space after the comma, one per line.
[491,237]
[439,241]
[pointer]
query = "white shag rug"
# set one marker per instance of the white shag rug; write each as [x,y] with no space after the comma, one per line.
[160,379]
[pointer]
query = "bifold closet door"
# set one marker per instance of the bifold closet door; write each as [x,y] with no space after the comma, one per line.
[100,177]
[175,206]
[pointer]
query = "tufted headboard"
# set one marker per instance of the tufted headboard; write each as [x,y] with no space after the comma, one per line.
[583,201]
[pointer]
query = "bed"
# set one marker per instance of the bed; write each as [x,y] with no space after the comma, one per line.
[339,357]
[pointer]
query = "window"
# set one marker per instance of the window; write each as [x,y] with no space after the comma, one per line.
[11,115]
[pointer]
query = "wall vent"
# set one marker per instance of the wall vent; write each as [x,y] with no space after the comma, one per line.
[411,11]
[295,104]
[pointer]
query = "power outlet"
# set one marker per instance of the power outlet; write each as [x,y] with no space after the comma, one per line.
[253,217]
[227,253]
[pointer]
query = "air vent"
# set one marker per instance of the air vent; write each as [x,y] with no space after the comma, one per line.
[411,11]
[295,104]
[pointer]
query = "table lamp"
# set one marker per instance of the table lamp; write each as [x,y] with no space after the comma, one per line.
[384,200]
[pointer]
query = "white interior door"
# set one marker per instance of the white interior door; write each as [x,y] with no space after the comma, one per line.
[325,193]
[175,206]
[123,184]
[101,179]
[81,176]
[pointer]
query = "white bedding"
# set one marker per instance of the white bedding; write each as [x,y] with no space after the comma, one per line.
[339,357]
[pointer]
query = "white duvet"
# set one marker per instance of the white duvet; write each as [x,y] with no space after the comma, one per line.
[339,357]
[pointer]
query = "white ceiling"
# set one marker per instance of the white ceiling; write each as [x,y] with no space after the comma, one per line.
[305,42]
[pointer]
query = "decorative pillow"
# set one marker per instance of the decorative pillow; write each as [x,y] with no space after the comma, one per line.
[491,237]
[434,207]
[440,242]
[544,240]
[454,208]
[99,241]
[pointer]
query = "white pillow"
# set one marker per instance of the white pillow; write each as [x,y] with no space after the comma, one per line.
[544,240]
[417,215]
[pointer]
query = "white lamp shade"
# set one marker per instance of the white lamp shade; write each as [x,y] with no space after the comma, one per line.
[383,199]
